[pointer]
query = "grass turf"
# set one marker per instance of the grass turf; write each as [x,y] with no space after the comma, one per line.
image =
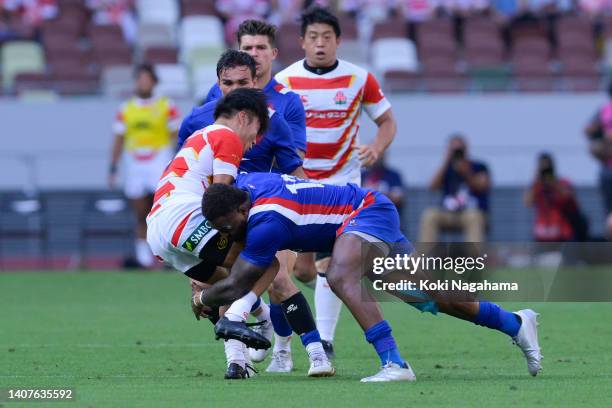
[130,340]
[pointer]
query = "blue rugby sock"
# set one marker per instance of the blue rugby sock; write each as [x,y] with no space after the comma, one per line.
[279,322]
[310,337]
[494,317]
[381,338]
[256,304]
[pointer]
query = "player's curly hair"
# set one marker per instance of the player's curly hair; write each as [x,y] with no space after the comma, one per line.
[317,14]
[251,100]
[221,199]
[234,58]
[257,27]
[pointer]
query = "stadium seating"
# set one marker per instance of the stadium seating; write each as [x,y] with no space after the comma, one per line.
[106,217]
[395,28]
[161,55]
[20,57]
[23,225]
[393,54]
[155,35]
[164,12]
[198,7]
[570,45]
[173,80]
[200,38]
[289,49]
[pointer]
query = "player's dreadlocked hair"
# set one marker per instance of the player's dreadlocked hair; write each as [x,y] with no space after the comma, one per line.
[221,199]
[232,59]
[317,14]
[251,100]
[257,27]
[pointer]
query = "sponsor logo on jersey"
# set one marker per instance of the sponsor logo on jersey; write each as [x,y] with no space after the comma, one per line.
[340,98]
[196,236]
[222,242]
[327,114]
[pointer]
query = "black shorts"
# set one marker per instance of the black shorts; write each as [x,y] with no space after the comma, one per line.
[213,253]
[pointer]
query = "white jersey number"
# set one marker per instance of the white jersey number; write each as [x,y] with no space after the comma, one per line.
[294,184]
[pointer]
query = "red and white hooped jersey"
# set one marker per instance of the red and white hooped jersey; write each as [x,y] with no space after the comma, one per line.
[214,150]
[333,102]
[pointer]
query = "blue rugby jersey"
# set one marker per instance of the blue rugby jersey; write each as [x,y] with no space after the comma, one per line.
[274,144]
[287,103]
[290,213]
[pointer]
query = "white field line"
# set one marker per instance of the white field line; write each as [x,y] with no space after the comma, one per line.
[100,377]
[106,345]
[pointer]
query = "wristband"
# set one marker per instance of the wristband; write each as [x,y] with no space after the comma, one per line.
[112,169]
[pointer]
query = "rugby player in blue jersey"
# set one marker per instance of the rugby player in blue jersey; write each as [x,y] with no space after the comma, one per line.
[236,69]
[258,39]
[271,212]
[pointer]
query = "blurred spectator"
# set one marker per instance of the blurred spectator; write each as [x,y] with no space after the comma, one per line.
[599,134]
[557,217]
[115,12]
[506,8]
[465,187]
[31,12]
[464,8]
[145,136]
[415,11]
[285,11]
[235,12]
[381,178]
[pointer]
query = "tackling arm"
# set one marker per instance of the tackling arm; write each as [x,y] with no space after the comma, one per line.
[243,278]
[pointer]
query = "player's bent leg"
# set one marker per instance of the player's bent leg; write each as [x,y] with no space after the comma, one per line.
[344,275]
[305,270]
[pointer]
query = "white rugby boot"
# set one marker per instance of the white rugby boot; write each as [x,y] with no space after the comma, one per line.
[281,362]
[392,372]
[267,330]
[527,340]
[320,366]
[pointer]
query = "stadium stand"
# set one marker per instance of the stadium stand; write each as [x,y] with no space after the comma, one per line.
[492,48]
[23,228]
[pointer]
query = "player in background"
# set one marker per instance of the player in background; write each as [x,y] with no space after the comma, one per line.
[258,39]
[145,133]
[236,69]
[179,235]
[334,93]
[271,212]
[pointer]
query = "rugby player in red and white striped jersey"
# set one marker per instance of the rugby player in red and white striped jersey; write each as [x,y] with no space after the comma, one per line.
[334,93]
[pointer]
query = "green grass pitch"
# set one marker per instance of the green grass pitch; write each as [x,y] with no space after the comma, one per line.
[130,340]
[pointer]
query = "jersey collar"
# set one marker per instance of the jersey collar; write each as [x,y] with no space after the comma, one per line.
[321,70]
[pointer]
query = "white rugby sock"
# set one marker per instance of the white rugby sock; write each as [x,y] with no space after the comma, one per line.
[240,309]
[262,312]
[327,307]
[282,343]
[144,256]
[234,352]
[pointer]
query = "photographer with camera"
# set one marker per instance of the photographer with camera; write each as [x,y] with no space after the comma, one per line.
[557,217]
[599,135]
[465,185]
